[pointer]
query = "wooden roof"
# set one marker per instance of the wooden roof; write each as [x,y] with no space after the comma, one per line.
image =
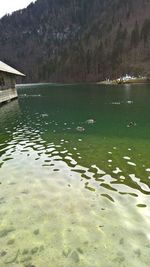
[5,68]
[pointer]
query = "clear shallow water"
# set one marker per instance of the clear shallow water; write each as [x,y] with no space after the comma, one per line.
[72,198]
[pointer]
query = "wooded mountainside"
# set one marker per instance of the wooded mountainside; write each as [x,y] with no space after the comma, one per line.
[78,40]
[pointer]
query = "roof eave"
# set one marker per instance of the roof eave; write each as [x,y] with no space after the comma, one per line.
[23,75]
[15,74]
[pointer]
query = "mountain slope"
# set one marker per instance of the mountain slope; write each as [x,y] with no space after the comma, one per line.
[78,40]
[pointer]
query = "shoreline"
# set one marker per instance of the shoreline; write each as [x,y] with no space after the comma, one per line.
[106,82]
[128,82]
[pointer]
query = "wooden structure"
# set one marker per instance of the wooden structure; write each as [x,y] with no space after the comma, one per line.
[7,82]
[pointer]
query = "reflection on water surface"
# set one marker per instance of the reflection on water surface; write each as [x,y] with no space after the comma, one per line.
[69,197]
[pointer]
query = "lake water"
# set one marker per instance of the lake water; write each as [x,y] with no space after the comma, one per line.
[71,197]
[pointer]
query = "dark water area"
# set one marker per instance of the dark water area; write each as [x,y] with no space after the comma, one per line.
[75,176]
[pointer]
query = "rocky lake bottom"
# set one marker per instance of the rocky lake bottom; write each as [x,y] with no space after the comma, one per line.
[71,197]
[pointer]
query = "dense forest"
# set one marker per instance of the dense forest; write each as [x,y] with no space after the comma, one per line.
[77,40]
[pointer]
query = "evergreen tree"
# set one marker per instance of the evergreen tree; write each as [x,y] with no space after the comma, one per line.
[135,36]
[145,32]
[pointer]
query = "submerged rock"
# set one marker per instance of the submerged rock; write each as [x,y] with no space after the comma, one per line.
[80,250]
[25,192]
[131,124]
[44,115]
[11,242]
[25,251]
[75,256]
[66,252]
[138,252]
[34,250]
[80,129]
[12,256]
[90,121]
[3,253]
[26,259]
[129,102]
[119,259]
[121,242]
[36,232]
[5,232]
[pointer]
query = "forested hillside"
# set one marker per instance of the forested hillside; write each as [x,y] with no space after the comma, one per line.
[78,40]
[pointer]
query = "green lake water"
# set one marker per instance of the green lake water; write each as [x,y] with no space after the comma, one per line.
[70,198]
